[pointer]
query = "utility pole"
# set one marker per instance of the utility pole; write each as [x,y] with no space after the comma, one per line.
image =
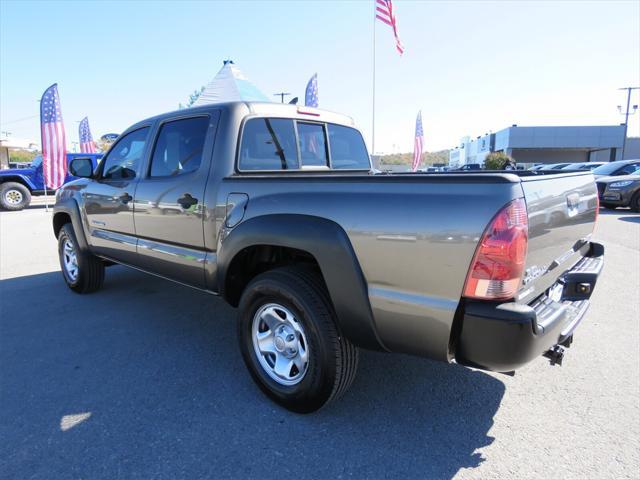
[281,95]
[626,115]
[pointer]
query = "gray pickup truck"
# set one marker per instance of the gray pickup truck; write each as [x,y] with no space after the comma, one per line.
[275,208]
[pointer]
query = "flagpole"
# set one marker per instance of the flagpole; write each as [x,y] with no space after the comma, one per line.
[44,179]
[373,99]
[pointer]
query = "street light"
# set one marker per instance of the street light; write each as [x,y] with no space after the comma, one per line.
[626,114]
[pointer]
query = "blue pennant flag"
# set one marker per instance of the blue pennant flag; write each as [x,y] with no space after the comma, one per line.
[311,93]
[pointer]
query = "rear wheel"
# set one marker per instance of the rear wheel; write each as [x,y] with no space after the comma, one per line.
[82,271]
[290,340]
[634,204]
[14,196]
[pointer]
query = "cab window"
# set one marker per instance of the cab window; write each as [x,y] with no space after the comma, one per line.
[125,156]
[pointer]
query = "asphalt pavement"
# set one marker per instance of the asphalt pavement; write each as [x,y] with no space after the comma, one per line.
[144,379]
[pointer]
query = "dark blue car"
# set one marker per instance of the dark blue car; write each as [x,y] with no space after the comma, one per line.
[17,185]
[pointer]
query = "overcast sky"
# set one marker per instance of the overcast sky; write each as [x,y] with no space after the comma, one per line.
[470,66]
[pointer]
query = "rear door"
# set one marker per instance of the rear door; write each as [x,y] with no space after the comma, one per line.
[169,207]
[109,200]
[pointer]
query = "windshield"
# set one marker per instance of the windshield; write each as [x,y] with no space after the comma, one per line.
[607,168]
[36,161]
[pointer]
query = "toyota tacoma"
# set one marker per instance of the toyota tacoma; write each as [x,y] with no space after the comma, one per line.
[276,209]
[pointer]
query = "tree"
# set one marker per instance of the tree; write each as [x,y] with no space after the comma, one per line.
[21,156]
[497,161]
[103,144]
[192,98]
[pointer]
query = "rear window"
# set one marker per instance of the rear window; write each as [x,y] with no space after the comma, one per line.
[286,144]
[347,148]
[269,144]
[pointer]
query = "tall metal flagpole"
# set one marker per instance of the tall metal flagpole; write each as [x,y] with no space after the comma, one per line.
[373,99]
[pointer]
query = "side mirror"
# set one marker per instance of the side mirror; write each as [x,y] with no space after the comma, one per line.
[81,167]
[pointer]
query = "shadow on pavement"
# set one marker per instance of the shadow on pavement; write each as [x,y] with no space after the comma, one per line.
[634,219]
[144,379]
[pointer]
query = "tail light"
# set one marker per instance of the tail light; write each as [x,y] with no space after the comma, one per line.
[498,265]
[597,211]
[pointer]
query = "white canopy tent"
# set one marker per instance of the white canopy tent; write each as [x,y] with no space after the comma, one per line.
[230,85]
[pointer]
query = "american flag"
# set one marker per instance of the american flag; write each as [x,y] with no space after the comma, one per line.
[417,145]
[384,13]
[311,93]
[54,147]
[87,145]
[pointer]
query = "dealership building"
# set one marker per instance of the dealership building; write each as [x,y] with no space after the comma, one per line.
[533,145]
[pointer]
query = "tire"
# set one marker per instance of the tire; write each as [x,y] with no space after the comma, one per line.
[634,204]
[14,196]
[88,274]
[298,301]
[609,206]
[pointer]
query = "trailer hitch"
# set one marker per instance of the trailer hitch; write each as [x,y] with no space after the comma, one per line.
[555,355]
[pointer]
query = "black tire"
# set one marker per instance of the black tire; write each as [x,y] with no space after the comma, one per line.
[14,196]
[333,360]
[90,269]
[634,204]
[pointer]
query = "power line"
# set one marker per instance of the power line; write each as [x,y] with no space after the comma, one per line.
[20,120]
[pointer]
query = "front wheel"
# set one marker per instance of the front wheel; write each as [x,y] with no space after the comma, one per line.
[14,196]
[82,271]
[290,340]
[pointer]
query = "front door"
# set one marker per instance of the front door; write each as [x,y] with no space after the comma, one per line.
[169,207]
[109,200]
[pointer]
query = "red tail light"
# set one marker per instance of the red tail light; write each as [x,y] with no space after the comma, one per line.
[597,211]
[498,265]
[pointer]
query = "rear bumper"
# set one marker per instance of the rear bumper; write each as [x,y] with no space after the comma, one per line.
[504,336]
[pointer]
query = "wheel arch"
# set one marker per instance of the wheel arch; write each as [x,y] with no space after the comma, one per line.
[317,243]
[18,179]
[67,211]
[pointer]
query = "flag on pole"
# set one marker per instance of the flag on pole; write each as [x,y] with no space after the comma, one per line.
[54,147]
[417,144]
[87,145]
[311,93]
[384,13]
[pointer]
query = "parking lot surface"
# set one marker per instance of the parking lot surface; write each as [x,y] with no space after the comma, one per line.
[144,379]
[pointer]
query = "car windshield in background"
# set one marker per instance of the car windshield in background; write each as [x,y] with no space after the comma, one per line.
[607,168]
[36,162]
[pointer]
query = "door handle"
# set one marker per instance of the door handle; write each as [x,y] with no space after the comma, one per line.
[125,198]
[187,201]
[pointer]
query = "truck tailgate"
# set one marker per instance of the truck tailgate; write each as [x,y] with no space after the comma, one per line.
[562,210]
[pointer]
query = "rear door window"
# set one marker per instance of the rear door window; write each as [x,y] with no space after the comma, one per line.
[269,144]
[179,147]
[348,150]
[313,146]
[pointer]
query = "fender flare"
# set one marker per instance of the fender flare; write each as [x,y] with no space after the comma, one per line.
[71,208]
[329,244]
[19,178]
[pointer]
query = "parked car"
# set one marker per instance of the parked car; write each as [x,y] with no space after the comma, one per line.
[469,166]
[620,191]
[250,201]
[18,185]
[583,166]
[619,167]
[554,166]
[536,167]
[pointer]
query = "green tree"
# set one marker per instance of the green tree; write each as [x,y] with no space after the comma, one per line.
[497,160]
[22,156]
[192,98]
